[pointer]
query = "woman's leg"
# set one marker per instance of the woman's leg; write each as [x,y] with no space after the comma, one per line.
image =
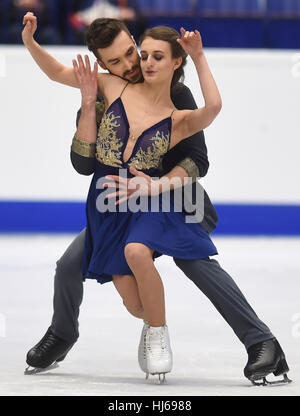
[149,283]
[127,287]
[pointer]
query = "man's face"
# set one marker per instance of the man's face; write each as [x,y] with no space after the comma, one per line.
[121,58]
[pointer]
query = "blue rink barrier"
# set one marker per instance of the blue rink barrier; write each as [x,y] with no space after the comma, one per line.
[69,217]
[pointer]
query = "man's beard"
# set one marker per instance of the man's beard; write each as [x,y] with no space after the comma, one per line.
[138,75]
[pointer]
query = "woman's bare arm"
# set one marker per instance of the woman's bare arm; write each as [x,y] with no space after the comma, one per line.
[48,64]
[189,122]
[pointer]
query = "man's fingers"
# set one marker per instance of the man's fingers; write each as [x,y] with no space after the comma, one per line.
[110,185]
[76,69]
[113,194]
[117,179]
[80,62]
[138,172]
[87,63]
[120,200]
[115,185]
[95,71]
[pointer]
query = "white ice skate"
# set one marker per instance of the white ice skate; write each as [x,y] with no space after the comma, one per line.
[142,350]
[159,358]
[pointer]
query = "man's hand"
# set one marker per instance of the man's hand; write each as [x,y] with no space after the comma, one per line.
[30,22]
[140,185]
[87,79]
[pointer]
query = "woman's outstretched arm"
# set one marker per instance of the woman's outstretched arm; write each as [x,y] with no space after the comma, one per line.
[49,65]
[190,122]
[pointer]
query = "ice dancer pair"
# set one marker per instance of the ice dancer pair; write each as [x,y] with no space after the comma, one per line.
[203,272]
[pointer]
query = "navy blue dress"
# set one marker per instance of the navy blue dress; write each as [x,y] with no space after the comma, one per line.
[107,232]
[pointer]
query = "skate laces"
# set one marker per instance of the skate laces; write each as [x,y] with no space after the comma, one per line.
[257,352]
[46,343]
[156,342]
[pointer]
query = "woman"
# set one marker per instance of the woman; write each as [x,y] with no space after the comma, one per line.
[139,126]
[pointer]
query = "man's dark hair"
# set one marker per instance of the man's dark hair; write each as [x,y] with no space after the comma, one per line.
[102,32]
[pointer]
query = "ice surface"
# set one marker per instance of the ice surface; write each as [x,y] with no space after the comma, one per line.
[208,357]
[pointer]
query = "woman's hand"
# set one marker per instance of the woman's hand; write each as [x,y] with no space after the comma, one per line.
[30,22]
[87,79]
[191,42]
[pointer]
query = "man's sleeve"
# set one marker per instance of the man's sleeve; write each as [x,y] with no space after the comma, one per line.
[193,149]
[83,153]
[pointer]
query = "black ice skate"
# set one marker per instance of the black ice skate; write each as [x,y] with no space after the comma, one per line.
[265,358]
[47,353]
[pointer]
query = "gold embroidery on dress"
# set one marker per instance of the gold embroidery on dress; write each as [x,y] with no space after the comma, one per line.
[108,145]
[151,157]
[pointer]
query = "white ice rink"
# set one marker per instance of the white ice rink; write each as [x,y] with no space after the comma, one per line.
[208,357]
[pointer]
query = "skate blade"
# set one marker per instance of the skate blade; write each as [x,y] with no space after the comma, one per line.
[266,382]
[161,377]
[35,370]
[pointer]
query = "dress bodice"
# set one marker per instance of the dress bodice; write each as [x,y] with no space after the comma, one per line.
[113,135]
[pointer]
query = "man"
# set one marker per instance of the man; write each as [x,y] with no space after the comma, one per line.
[116,52]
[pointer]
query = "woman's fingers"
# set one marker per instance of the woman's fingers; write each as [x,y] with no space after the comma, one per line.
[186,34]
[28,16]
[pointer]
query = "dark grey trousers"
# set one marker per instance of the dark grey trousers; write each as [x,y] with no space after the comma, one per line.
[207,275]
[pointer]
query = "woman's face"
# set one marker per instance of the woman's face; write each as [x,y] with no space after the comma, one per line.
[157,63]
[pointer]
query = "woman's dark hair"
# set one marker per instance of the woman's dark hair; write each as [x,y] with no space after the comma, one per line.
[102,32]
[169,35]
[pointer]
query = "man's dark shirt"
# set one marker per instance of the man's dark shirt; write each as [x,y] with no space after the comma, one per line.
[192,149]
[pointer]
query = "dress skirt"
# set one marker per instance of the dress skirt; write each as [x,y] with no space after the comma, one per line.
[107,233]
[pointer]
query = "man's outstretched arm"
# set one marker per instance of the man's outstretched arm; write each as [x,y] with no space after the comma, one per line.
[82,152]
[85,136]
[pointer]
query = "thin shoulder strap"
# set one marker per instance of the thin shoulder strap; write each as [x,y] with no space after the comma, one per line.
[173,112]
[124,89]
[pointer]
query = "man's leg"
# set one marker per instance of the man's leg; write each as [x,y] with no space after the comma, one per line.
[227,298]
[68,291]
